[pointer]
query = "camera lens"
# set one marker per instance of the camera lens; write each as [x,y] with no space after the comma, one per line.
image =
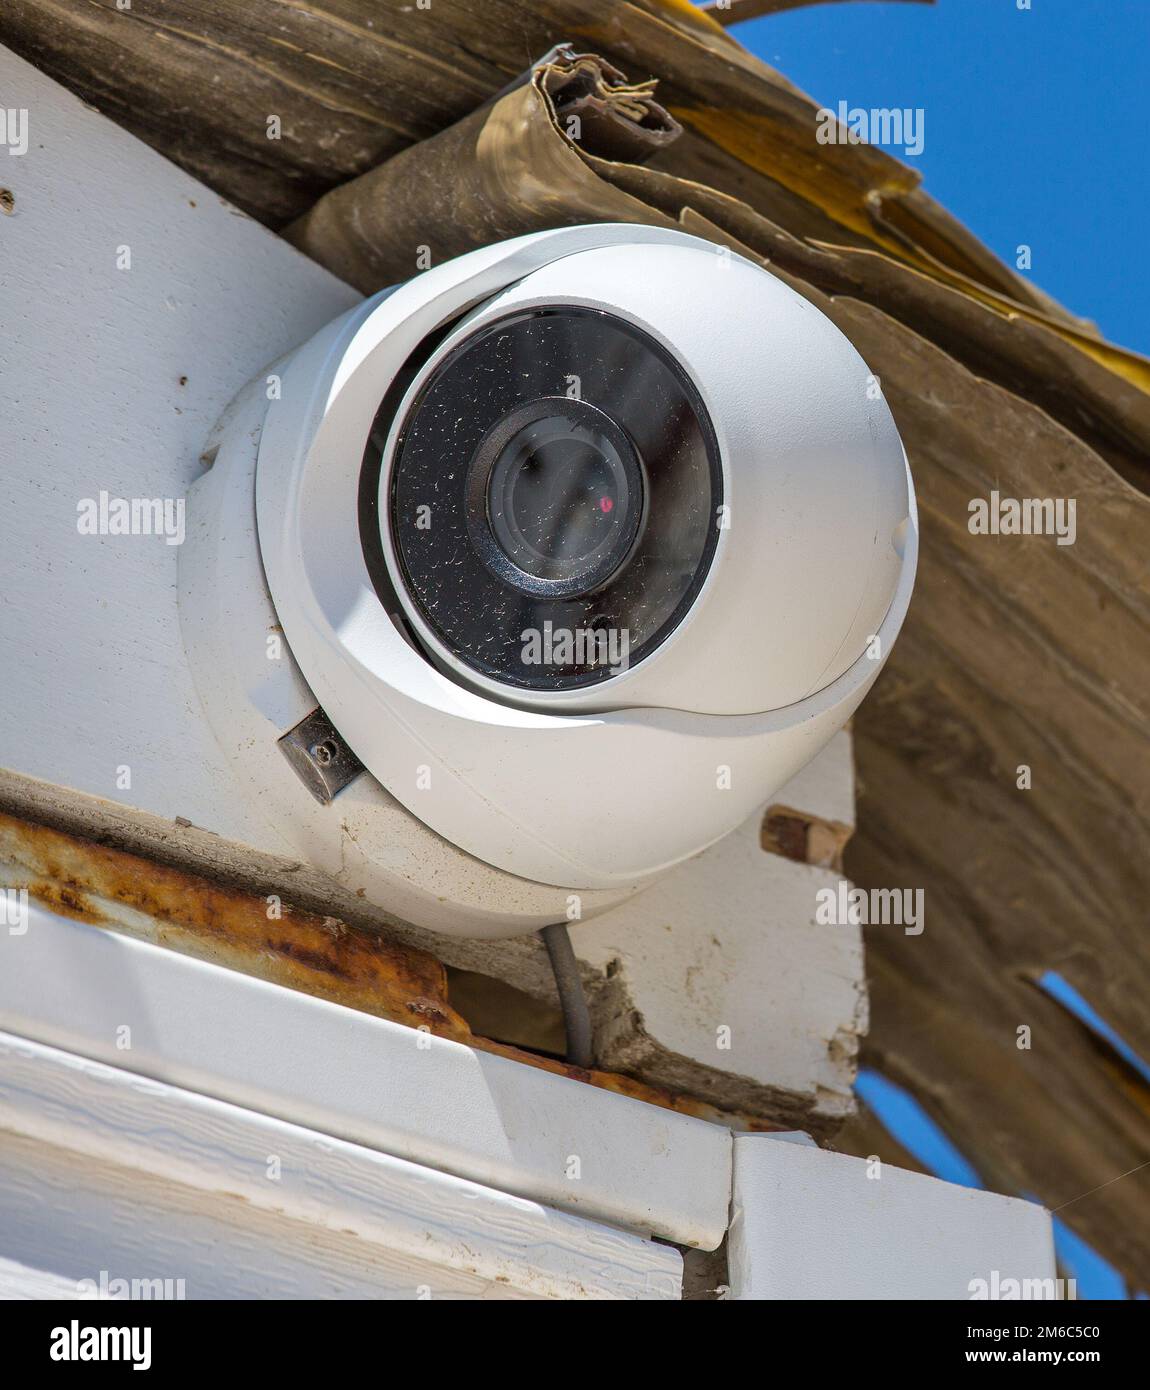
[553,497]
[556,497]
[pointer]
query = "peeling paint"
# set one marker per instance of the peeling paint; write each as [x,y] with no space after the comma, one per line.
[805,838]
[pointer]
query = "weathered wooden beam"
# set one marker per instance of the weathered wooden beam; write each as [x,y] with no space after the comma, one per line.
[271,940]
[512,167]
[728,12]
[156,783]
[1018,650]
[303,99]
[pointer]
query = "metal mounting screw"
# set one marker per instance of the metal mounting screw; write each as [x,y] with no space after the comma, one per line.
[324,753]
[321,759]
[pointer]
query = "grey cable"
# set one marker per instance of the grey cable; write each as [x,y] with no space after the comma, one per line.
[576,1016]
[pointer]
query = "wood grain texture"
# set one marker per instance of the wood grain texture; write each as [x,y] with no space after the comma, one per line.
[210,298]
[352,84]
[435,1229]
[728,12]
[71,1221]
[425,1099]
[1016,651]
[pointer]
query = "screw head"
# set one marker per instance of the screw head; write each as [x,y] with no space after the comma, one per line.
[324,753]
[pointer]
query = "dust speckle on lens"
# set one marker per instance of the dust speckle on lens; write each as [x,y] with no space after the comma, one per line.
[557,518]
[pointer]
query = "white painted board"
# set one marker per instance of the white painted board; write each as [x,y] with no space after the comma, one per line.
[810,1224]
[204,1163]
[101,712]
[724,960]
[403,1092]
[112,379]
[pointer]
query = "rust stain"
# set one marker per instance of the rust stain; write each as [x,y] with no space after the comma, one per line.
[66,899]
[266,937]
[321,956]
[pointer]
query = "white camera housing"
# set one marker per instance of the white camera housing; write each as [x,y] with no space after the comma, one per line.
[488,807]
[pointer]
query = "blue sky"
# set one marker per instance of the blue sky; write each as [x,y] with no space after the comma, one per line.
[1034,125]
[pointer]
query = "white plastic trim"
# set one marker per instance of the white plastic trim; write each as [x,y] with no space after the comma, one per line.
[394,1089]
[810,1224]
[102,1113]
[815,482]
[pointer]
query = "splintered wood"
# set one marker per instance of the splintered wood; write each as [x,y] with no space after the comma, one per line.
[1003,757]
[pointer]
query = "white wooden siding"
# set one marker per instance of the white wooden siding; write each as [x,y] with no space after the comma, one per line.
[101,1170]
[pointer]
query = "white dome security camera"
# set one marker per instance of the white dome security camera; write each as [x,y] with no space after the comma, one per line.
[582,544]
